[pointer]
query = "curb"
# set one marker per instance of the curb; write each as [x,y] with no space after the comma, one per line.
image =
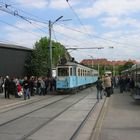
[99,122]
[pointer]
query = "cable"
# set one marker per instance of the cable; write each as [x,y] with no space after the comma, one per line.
[66,36]
[46,21]
[5,41]
[15,13]
[77,17]
[18,28]
[94,36]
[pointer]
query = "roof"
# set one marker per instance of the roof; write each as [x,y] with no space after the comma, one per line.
[11,46]
[76,64]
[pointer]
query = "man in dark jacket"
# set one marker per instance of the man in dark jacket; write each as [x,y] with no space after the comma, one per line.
[7,87]
[99,88]
[25,85]
[121,84]
[31,86]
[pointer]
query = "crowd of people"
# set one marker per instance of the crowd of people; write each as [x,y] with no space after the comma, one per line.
[26,87]
[107,83]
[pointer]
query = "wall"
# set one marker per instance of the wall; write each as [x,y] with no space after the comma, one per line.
[12,61]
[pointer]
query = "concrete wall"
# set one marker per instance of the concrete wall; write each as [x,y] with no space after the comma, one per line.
[12,61]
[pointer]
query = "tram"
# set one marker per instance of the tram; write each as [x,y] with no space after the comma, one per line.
[134,72]
[72,76]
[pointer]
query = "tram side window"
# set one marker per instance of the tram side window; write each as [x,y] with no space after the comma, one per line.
[78,72]
[81,73]
[70,71]
[88,73]
[74,71]
[63,72]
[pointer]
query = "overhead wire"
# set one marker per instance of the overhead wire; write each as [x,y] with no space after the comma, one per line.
[77,17]
[15,13]
[19,28]
[94,36]
[66,36]
[6,41]
[29,19]
[28,13]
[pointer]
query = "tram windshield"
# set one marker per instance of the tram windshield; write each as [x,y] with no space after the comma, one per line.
[63,71]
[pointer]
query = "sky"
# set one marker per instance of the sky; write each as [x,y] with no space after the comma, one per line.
[113,25]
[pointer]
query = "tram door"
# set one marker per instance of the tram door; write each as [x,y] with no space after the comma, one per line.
[73,74]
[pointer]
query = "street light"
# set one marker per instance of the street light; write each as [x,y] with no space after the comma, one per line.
[50,43]
[113,65]
[92,60]
[97,64]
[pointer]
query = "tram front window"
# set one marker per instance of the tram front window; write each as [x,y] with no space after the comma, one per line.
[63,72]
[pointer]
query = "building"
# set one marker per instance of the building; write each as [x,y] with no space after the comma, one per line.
[12,59]
[104,62]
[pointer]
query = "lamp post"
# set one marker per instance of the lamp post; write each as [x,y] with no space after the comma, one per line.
[91,61]
[99,68]
[50,43]
[113,63]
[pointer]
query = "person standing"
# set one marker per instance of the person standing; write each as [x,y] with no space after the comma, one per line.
[99,87]
[107,84]
[42,86]
[131,86]
[13,87]
[1,84]
[25,85]
[7,87]
[121,84]
[31,85]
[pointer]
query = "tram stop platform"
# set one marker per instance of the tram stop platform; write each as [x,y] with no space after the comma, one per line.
[119,119]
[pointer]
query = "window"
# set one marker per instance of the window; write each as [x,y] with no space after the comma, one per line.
[70,71]
[63,71]
[81,72]
[78,72]
[74,71]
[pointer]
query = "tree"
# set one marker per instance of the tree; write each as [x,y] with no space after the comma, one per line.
[37,63]
[127,65]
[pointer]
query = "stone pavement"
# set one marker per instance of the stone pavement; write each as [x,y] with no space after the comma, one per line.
[121,119]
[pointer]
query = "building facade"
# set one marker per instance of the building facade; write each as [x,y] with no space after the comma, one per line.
[12,60]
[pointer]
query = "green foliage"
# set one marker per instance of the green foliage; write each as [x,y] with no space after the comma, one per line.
[127,65]
[37,63]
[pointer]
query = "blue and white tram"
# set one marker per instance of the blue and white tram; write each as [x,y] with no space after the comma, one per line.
[71,76]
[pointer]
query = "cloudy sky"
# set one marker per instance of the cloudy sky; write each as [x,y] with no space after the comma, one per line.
[113,25]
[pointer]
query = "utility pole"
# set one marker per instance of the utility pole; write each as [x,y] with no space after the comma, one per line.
[91,61]
[98,68]
[50,44]
[50,49]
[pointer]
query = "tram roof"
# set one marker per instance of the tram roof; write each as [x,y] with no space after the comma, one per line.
[77,64]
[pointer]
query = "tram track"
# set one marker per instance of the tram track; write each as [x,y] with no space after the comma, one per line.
[48,120]
[29,111]
[73,137]
[20,104]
